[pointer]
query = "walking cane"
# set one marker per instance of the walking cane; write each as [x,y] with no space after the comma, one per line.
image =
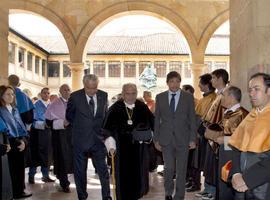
[112,156]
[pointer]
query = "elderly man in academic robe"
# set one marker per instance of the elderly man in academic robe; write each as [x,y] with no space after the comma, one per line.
[5,180]
[61,137]
[233,115]
[40,140]
[131,155]
[251,144]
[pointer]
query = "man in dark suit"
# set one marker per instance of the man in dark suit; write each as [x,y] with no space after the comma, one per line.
[85,111]
[174,133]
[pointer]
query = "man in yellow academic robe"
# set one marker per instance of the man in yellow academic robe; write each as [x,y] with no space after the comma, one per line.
[251,142]
[233,115]
[214,115]
[197,156]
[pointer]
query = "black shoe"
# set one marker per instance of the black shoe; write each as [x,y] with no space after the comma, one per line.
[108,198]
[188,184]
[23,195]
[169,197]
[31,180]
[47,179]
[161,173]
[66,189]
[193,188]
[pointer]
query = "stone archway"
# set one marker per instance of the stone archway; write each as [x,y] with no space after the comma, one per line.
[198,51]
[132,6]
[212,27]
[23,6]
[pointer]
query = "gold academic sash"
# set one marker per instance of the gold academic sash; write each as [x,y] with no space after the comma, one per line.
[253,134]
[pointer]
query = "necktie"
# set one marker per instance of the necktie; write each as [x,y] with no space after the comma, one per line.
[172,103]
[92,105]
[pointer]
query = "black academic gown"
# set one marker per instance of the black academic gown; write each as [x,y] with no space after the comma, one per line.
[132,158]
[40,146]
[62,150]
[5,180]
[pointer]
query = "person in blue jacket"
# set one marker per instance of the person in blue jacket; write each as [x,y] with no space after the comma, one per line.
[5,181]
[17,135]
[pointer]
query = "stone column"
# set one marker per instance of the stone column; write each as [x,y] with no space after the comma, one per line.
[121,72]
[106,72]
[4,45]
[137,72]
[249,42]
[61,69]
[197,70]
[76,75]
[91,63]
[167,67]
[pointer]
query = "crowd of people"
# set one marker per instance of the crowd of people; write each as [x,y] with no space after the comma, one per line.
[213,136]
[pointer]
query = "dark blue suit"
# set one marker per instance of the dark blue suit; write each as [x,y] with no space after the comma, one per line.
[86,137]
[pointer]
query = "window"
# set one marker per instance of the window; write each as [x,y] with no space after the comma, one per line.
[221,65]
[21,57]
[29,61]
[114,68]
[66,69]
[161,68]
[43,71]
[176,66]
[208,67]
[53,69]
[130,69]
[11,52]
[99,68]
[143,65]
[37,59]
[187,70]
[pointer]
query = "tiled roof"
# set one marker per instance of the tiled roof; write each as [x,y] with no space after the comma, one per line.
[160,43]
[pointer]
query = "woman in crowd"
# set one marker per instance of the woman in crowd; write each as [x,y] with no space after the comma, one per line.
[17,135]
[5,181]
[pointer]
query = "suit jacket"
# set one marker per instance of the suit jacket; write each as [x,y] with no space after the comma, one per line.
[178,126]
[86,128]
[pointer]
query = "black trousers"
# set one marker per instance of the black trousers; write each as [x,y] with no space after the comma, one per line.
[16,167]
[98,154]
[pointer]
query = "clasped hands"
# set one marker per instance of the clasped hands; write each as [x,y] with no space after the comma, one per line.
[238,183]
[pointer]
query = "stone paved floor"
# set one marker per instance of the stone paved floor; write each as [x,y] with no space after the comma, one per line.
[51,191]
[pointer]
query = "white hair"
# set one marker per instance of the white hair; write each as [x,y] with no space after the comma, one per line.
[90,77]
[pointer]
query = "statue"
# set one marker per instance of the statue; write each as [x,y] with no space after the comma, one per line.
[148,77]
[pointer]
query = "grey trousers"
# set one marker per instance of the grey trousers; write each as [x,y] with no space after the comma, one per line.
[175,160]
